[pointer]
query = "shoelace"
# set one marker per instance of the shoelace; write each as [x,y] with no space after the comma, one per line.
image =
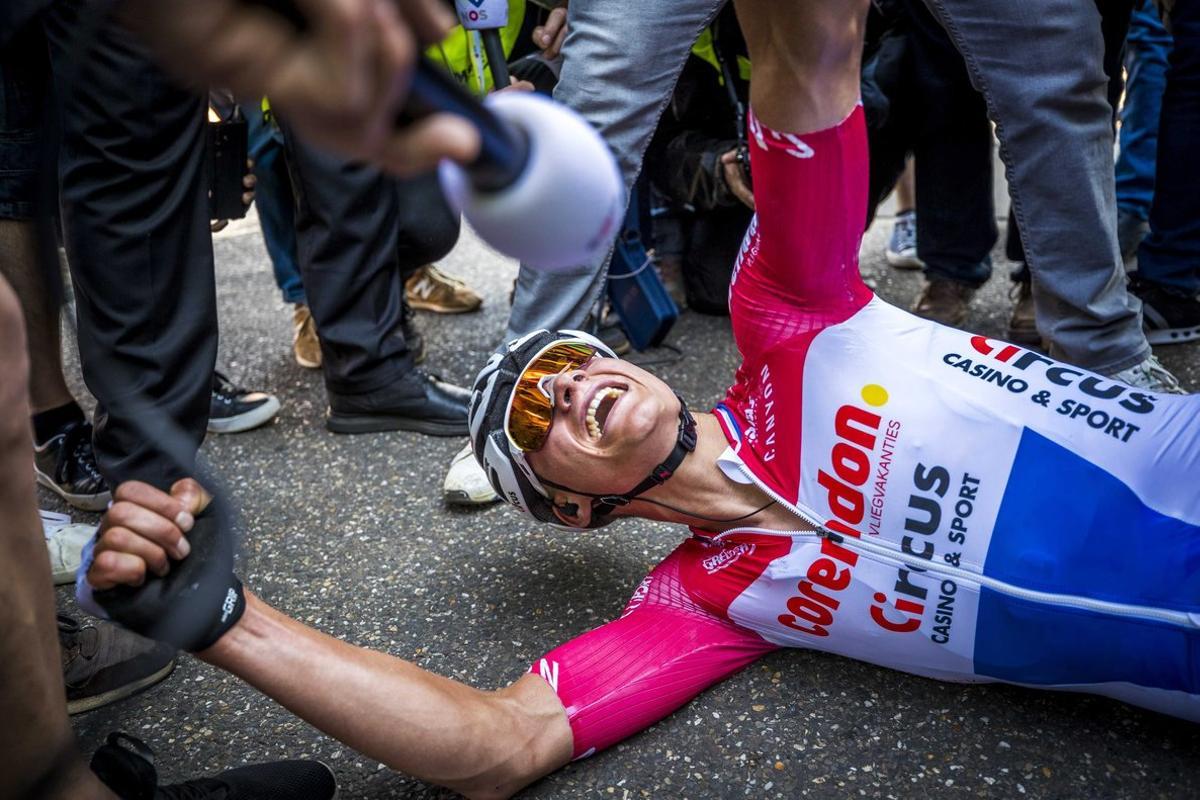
[1153,369]
[71,639]
[76,454]
[224,387]
[904,231]
[437,274]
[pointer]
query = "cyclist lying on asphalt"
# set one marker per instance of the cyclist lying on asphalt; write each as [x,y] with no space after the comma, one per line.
[873,485]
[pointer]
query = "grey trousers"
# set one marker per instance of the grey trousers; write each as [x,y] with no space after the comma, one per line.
[1039,65]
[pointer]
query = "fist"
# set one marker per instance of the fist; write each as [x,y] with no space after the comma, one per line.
[143,531]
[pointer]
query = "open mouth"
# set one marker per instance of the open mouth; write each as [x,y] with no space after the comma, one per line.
[599,409]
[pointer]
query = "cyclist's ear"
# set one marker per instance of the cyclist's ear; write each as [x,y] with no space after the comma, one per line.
[572,510]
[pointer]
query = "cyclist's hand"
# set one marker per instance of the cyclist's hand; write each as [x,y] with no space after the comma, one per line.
[549,37]
[141,529]
[340,84]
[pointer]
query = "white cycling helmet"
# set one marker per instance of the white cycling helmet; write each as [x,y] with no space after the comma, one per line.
[505,465]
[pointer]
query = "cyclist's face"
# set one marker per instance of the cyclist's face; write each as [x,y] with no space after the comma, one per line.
[613,423]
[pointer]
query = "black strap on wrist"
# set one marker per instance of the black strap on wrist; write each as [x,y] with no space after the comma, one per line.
[197,602]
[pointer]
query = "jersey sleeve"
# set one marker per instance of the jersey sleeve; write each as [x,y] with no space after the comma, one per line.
[663,650]
[797,271]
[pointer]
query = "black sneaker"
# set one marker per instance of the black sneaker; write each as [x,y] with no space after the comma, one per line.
[234,409]
[66,465]
[126,765]
[102,663]
[417,402]
[1169,316]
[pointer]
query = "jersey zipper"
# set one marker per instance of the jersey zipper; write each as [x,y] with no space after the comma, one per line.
[1181,619]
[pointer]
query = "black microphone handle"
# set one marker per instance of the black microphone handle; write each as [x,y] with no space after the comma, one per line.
[493,45]
[503,149]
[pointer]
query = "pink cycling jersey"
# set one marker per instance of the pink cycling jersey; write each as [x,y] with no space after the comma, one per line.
[966,509]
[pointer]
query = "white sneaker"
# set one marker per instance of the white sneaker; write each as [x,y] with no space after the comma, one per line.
[1150,374]
[466,483]
[65,541]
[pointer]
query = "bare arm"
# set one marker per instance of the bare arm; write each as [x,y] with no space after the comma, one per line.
[482,744]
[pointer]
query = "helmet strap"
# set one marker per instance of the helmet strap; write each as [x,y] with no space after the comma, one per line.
[685,442]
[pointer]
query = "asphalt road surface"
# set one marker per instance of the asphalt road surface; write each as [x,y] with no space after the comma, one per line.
[349,534]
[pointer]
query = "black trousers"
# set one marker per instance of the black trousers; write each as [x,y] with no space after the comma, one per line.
[135,216]
[360,234]
[927,107]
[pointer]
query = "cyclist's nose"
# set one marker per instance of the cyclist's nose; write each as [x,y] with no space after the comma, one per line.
[567,386]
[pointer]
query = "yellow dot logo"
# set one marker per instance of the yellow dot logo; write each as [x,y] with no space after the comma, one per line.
[874,394]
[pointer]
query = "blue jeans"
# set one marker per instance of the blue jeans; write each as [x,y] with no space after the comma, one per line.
[1170,255]
[276,206]
[620,64]
[1146,53]
[1040,67]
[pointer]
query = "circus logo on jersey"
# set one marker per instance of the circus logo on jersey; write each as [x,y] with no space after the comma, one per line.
[858,433]
[1094,387]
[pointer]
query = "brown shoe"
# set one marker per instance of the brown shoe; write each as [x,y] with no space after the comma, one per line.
[1022,325]
[944,301]
[430,289]
[305,344]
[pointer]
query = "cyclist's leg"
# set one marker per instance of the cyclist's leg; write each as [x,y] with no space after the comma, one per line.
[806,60]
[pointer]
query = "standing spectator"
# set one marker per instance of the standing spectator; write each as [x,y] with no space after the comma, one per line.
[1168,276]
[276,216]
[357,232]
[100,663]
[931,111]
[1147,48]
[140,253]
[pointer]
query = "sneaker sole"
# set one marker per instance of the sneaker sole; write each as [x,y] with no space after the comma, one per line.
[1173,335]
[440,309]
[458,497]
[120,693]
[84,502]
[903,262]
[64,578]
[304,362]
[378,423]
[247,421]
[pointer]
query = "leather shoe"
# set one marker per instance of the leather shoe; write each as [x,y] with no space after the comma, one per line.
[417,402]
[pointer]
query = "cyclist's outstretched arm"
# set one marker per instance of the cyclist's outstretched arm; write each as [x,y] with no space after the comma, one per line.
[482,744]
